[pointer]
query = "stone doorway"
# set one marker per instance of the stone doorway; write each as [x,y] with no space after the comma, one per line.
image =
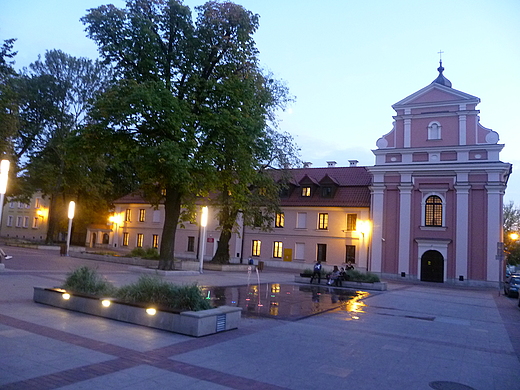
[432,267]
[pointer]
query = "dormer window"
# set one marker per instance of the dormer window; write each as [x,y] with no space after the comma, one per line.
[326,192]
[434,130]
[306,191]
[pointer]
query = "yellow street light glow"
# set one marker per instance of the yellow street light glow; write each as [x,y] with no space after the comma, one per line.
[4,170]
[513,236]
[204,217]
[66,296]
[363,226]
[72,206]
[116,218]
[151,311]
[105,303]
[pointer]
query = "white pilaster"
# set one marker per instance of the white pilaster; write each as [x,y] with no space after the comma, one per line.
[462,129]
[494,229]
[405,205]
[461,232]
[407,132]
[376,255]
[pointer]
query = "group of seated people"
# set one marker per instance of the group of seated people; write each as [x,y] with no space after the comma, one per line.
[338,275]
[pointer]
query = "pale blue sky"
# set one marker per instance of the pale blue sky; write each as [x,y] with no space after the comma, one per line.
[346,61]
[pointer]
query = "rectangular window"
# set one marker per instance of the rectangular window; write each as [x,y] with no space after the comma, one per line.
[35,222]
[255,249]
[125,238]
[326,192]
[156,216]
[128,215]
[20,205]
[27,205]
[277,250]
[18,221]
[9,220]
[301,220]
[299,251]
[321,252]
[11,205]
[142,215]
[350,254]
[351,222]
[25,222]
[433,211]
[155,241]
[140,239]
[306,191]
[37,203]
[280,220]
[191,244]
[323,221]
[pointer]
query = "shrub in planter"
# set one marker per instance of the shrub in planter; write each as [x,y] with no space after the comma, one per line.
[357,276]
[150,289]
[85,280]
[148,253]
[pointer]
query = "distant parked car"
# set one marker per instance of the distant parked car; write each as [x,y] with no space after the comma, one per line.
[512,285]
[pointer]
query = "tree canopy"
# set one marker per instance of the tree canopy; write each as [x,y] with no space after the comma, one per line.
[191,106]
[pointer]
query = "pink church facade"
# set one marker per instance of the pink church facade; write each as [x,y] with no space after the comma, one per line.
[437,190]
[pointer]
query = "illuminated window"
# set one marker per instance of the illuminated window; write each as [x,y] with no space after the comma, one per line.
[321,252]
[140,239]
[351,222]
[128,215]
[277,249]
[323,221]
[155,241]
[433,211]
[37,203]
[280,220]
[306,191]
[255,250]
[350,256]
[142,215]
[126,236]
[191,244]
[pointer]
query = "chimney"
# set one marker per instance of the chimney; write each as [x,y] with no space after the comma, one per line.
[307,164]
[353,163]
[331,164]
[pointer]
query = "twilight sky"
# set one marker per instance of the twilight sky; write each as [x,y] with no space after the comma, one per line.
[345,61]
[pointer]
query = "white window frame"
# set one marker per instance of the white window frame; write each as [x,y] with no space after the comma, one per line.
[434,130]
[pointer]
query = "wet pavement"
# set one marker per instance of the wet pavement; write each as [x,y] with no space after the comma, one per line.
[292,336]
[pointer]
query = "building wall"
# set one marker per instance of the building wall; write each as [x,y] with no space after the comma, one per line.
[26,221]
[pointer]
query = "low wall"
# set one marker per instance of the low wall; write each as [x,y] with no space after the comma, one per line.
[191,323]
[377,286]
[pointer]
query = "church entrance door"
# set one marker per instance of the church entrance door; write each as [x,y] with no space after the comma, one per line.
[432,267]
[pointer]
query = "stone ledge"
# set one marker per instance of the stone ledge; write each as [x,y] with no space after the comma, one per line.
[377,286]
[191,323]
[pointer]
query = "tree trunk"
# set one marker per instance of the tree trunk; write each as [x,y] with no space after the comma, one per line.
[172,211]
[228,220]
[52,222]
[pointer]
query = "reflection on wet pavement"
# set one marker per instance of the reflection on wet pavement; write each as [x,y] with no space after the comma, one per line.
[287,301]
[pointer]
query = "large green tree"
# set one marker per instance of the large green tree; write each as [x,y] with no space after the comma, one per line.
[52,98]
[511,215]
[187,91]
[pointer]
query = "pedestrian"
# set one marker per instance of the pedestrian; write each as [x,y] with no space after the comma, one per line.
[334,276]
[317,272]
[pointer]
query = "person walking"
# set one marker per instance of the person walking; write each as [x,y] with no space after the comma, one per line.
[317,272]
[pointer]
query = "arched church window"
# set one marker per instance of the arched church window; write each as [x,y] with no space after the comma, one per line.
[434,130]
[433,211]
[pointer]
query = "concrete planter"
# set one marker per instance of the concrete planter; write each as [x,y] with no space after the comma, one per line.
[377,286]
[191,323]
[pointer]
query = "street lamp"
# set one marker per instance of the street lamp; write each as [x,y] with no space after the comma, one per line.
[4,171]
[364,228]
[116,220]
[72,206]
[202,247]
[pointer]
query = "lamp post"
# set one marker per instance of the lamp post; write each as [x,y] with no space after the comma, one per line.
[72,206]
[364,228]
[202,247]
[4,171]
[116,220]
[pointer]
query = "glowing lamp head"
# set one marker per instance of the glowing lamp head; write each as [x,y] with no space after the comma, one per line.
[66,296]
[204,217]
[363,226]
[105,303]
[72,207]
[513,236]
[151,311]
